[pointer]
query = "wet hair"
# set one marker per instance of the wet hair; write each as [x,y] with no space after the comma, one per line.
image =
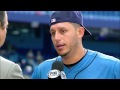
[2,18]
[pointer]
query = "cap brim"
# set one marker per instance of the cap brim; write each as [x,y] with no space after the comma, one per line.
[87,32]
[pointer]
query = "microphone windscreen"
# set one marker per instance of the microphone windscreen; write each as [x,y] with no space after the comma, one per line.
[58,65]
[57,71]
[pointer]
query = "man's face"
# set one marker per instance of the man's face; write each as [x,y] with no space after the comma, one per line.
[3,31]
[64,37]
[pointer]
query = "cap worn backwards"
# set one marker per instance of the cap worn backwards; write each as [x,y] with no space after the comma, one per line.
[68,16]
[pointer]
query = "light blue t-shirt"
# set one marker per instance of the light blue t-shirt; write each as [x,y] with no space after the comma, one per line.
[94,65]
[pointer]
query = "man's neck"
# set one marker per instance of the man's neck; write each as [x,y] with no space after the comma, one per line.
[75,57]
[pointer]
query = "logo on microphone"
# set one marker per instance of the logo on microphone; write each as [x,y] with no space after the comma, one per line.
[54,73]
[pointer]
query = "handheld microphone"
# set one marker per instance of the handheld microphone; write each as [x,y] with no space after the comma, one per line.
[57,71]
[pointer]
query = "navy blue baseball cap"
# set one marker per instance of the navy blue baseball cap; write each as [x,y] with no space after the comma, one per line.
[68,16]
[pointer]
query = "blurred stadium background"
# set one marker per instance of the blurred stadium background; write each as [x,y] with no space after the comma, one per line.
[28,41]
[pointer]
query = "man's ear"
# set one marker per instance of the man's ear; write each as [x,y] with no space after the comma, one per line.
[0,25]
[80,32]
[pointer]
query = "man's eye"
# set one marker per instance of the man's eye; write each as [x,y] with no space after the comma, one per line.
[63,31]
[52,33]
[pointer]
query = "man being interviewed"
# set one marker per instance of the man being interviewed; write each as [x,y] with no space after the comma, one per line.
[67,31]
[8,69]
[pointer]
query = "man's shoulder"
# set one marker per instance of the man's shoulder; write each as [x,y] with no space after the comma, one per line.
[9,69]
[48,62]
[43,67]
[6,64]
[103,56]
[109,58]
[5,61]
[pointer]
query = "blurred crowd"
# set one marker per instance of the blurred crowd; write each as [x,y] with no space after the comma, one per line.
[27,61]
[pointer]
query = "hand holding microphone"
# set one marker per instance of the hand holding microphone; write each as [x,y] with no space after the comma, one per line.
[57,71]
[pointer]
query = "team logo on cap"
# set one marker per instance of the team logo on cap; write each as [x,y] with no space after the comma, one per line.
[53,20]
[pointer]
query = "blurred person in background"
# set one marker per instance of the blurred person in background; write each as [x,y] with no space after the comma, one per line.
[67,31]
[39,57]
[27,71]
[30,58]
[8,69]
